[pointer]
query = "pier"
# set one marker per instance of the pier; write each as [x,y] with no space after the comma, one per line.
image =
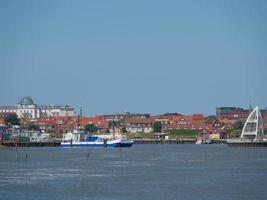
[240,143]
[174,141]
[32,144]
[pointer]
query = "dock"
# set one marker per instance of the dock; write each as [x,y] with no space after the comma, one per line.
[240,143]
[32,144]
[173,141]
[136,141]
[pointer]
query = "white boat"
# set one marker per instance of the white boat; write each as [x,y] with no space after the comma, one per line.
[76,138]
[201,141]
[101,143]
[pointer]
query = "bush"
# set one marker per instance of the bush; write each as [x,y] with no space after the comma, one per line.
[91,128]
[185,133]
[33,126]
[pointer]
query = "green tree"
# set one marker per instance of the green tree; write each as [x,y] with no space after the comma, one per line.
[33,126]
[12,119]
[91,128]
[236,130]
[238,125]
[124,130]
[113,123]
[157,127]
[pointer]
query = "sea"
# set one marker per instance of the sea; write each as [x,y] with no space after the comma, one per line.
[150,172]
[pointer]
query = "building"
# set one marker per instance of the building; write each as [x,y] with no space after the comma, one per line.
[26,108]
[195,121]
[232,113]
[139,125]
[120,116]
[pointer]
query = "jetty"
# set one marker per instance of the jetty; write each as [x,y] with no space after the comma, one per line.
[242,143]
[32,144]
[173,141]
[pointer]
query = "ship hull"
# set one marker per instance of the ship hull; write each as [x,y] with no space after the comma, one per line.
[113,143]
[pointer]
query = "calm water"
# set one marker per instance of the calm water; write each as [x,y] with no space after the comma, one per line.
[139,172]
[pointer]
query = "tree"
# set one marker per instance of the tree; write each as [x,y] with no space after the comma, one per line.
[124,130]
[238,125]
[12,119]
[237,129]
[157,127]
[113,123]
[33,126]
[91,128]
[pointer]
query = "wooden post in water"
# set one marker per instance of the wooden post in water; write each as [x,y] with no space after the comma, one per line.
[17,157]
[2,138]
[105,142]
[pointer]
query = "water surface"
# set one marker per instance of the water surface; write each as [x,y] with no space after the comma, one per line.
[140,172]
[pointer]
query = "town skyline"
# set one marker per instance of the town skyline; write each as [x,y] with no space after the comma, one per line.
[80,111]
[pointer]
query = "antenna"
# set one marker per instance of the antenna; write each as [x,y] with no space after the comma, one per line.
[81,112]
[79,116]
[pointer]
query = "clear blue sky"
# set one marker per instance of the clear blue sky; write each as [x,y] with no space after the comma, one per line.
[151,56]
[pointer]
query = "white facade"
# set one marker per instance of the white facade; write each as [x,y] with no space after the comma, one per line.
[27,108]
[139,129]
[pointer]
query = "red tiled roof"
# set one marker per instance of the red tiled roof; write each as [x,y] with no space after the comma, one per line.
[99,121]
[139,120]
[2,120]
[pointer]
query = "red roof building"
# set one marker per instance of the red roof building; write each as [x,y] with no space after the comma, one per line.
[195,121]
[98,121]
[2,120]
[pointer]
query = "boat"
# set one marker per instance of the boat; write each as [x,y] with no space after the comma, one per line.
[203,141]
[199,141]
[96,141]
[79,139]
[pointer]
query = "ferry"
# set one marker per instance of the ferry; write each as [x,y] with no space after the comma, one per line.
[75,139]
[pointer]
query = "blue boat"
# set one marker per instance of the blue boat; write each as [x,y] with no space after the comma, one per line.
[97,141]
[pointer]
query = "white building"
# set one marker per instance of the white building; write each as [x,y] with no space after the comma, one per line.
[27,108]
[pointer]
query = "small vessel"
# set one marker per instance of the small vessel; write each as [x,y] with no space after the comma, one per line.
[201,141]
[78,138]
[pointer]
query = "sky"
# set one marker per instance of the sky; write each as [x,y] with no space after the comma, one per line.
[148,56]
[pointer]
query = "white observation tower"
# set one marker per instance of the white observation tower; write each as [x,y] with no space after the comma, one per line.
[253,128]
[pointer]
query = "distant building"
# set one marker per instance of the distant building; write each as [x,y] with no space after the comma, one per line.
[232,113]
[139,125]
[195,121]
[26,108]
[120,116]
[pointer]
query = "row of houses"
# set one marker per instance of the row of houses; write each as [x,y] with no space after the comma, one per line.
[66,123]
[130,124]
[176,121]
[63,119]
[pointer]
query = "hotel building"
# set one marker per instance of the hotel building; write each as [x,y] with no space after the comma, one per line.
[28,109]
